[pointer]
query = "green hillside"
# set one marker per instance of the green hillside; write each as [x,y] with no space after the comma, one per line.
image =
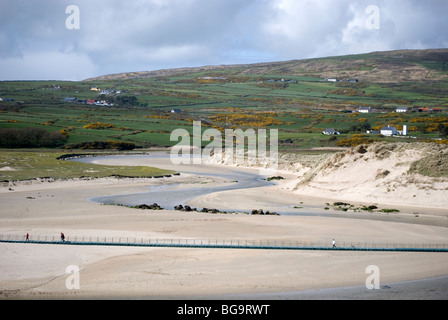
[291,96]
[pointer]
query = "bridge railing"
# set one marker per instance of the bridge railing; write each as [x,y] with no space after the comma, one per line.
[219,243]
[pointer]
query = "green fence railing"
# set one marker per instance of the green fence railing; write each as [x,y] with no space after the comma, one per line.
[226,243]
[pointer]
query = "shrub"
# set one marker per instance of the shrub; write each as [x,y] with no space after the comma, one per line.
[254,120]
[101,145]
[354,141]
[30,138]
[99,126]
[389,210]
[443,129]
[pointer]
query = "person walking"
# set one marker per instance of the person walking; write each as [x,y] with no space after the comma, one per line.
[27,237]
[334,243]
[62,237]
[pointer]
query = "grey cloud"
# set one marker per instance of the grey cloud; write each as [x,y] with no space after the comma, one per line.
[118,36]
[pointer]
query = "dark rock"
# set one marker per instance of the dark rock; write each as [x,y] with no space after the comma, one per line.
[142,206]
[275,178]
[153,206]
[341,204]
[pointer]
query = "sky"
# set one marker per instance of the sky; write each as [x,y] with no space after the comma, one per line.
[79,39]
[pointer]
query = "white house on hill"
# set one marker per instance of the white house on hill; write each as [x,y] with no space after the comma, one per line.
[365,110]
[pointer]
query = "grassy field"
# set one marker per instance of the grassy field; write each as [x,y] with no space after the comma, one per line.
[25,165]
[303,105]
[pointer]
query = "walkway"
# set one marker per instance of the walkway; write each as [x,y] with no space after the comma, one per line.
[225,244]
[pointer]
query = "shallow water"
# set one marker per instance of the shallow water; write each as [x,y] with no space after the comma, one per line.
[170,195]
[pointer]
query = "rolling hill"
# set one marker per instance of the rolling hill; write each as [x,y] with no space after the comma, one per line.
[381,67]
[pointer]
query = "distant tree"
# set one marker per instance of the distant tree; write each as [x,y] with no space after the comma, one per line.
[443,130]
[101,145]
[8,137]
[30,138]
[360,127]
[126,101]
[33,136]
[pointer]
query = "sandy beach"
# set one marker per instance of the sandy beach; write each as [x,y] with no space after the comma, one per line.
[33,271]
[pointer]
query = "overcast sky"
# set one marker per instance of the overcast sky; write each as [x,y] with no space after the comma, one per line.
[142,35]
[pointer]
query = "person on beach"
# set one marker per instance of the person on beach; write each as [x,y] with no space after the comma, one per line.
[27,237]
[62,237]
[334,243]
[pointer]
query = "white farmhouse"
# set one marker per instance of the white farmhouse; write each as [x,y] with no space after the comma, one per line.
[389,131]
[365,110]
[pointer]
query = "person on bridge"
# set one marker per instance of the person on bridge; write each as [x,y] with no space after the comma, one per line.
[62,237]
[27,237]
[334,243]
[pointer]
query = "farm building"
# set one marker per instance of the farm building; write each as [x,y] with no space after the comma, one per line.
[365,110]
[102,103]
[401,110]
[389,131]
[330,132]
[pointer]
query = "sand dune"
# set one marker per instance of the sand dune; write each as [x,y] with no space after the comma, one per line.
[380,173]
[403,174]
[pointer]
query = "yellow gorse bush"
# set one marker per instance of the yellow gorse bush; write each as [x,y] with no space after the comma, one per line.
[354,141]
[253,120]
[99,126]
